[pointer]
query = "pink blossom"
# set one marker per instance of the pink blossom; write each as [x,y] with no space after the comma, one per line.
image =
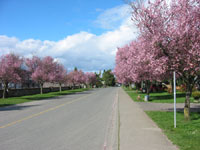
[10,70]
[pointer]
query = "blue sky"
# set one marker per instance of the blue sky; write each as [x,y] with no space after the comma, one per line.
[51,19]
[81,33]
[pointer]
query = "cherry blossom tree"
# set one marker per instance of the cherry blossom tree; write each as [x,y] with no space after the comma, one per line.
[90,78]
[174,34]
[10,70]
[76,78]
[59,75]
[122,68]
[82,77]
[42,69]
[136,63]
[33,63]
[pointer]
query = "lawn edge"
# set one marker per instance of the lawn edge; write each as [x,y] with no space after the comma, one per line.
[11,105]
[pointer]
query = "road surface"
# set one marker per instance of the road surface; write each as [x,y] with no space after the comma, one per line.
[73,122]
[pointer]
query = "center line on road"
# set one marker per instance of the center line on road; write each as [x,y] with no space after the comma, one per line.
[42,112]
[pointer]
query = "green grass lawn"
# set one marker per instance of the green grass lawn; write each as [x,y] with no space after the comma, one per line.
[187,134]
[160,97]
[23,99]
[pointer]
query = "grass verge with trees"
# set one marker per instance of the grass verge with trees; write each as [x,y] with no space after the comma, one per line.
[157,97]
[17,100]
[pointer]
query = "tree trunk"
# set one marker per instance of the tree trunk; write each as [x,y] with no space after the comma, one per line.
[138,85]
[129,86]
[172,85]
[187,102]
[148,84]
[5,90]
[60,87]
[41,88]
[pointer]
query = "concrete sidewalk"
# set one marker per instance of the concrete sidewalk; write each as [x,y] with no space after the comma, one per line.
[137,130]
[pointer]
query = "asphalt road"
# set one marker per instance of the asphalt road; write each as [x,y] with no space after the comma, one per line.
[72,122]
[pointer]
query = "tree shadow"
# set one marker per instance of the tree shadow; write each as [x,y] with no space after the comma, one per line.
[83,93]
[72,93]
[196,117]
[40,98]
[193,116]
[166,97]
[194,109]
[55,95]
[60,94]
[163,97]
[14,107]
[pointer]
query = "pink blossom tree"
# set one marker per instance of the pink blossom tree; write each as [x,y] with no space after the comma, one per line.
[122,68]
[33,63]
[138,64]
[90,78]
[42,69]
[10,70]
[82,77]
[59,75]
[173,33]
[71,79]
[76,78]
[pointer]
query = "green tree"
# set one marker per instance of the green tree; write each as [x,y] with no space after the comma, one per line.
[99,79]
[108,78]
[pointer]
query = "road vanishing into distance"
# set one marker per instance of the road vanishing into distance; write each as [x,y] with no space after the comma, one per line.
[78,121]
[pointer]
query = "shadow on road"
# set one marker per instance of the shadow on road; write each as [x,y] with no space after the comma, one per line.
[56,95]
[16,107]
[11,106]
[83,93]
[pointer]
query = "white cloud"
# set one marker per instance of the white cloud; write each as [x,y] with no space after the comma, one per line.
[114,17]
[84,50]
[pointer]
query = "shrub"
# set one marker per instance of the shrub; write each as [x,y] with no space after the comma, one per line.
[196,95]
[182,88]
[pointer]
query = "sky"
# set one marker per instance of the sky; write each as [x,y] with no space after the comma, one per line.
[79,33]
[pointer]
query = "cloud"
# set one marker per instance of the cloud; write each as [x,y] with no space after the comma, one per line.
[114,17]
[7,44]
[84,50]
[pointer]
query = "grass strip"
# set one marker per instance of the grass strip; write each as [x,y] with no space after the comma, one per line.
[187,134]
[158,97]
[22,99]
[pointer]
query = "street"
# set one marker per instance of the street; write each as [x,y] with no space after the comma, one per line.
[72,122]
